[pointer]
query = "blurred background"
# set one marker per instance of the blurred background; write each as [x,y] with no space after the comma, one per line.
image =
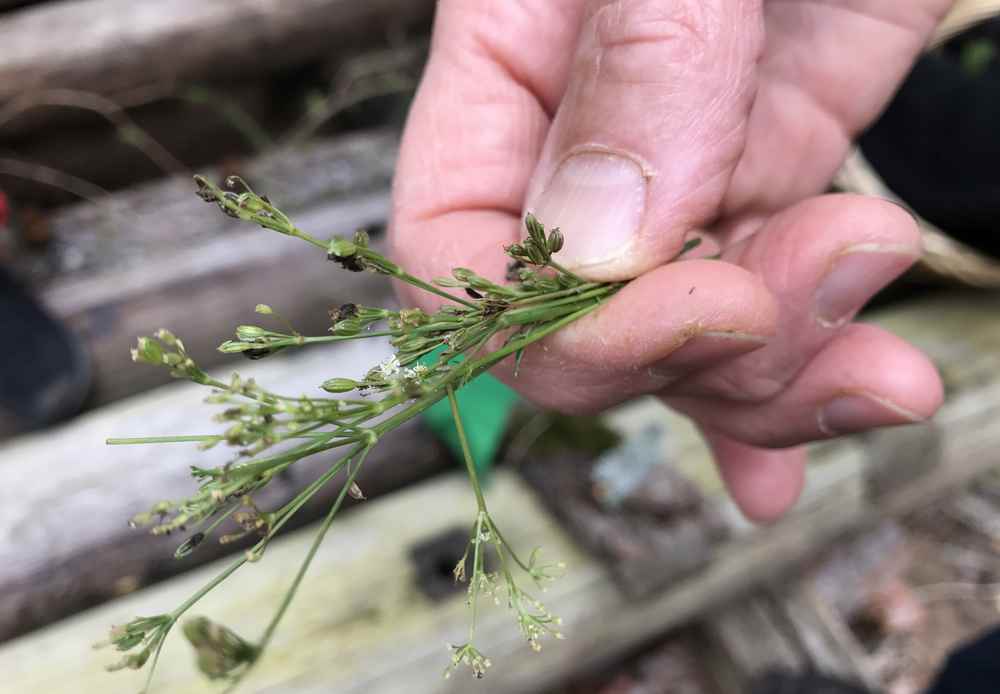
[107,107]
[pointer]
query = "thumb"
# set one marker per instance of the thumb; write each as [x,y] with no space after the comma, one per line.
[648,131]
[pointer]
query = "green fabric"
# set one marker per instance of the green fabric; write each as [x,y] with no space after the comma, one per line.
[486,405]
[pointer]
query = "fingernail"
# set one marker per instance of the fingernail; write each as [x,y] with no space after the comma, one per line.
[597,199]
[857,274]
[848,414]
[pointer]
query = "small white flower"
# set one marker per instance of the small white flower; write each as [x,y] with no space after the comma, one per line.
[389,367]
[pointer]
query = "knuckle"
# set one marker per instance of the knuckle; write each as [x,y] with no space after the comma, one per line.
[632,28]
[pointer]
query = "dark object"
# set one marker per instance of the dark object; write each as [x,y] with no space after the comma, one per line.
[972,669]
[45,373]
[258,352]
[937,147]
[436,559]
[783,682]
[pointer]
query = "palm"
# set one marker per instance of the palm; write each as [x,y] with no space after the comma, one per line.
[747,115]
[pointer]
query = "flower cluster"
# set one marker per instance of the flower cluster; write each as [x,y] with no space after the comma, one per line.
[219,651]
[139,640]
[434,355]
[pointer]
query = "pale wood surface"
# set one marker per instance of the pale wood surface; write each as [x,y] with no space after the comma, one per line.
[782,627]
[64,539]
[112,47]
[361,626]
[157,256]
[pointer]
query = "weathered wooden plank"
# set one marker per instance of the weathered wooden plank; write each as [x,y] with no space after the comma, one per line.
[374,631]
[112,47]
[647,548]
[64,541]
[157,256]
[389,638]
[361,624]
[781,628]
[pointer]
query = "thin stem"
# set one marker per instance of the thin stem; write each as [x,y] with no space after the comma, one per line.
[202,438]
[546,296]
[477,562]
[304,567]
[470,465]
[428,287]
[207,588]
[292,507]
[556,266]
[156,660]
[298,233]
[193,438]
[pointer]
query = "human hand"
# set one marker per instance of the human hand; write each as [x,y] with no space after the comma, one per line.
[634,124]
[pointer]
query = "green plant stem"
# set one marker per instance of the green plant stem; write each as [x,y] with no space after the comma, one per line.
[534,297]
[298,233]
[196,438]
[556,266]
[428,287]
[470,465]
[286,601]
[477,563]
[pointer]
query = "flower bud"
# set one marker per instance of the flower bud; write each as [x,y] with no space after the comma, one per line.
[250,204]
[413,317]
[148,351]
[346,327]
[168,338]
[341,248]
[220,651]
[462,274]
[536,231]
[514,250]
[250,332]
[537,255]
[189,545]
[235,182]
[340,385]
[555,243]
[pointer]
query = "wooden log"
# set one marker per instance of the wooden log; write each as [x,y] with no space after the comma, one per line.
[361,623]
[647,550]
[157,256]
[164,134]
[65,540]
[782,628]
[113,47]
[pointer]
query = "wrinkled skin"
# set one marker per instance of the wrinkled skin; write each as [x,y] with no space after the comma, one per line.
[722,118]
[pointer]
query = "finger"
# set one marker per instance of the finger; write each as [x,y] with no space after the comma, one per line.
[763,483]
[648,130]
[476,129]
[678,317]
[815,96]
[822,260]
[864,379]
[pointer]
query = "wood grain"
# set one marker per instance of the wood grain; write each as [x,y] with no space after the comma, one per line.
[64,539]
[362,625]
[112,47]
[157,256]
